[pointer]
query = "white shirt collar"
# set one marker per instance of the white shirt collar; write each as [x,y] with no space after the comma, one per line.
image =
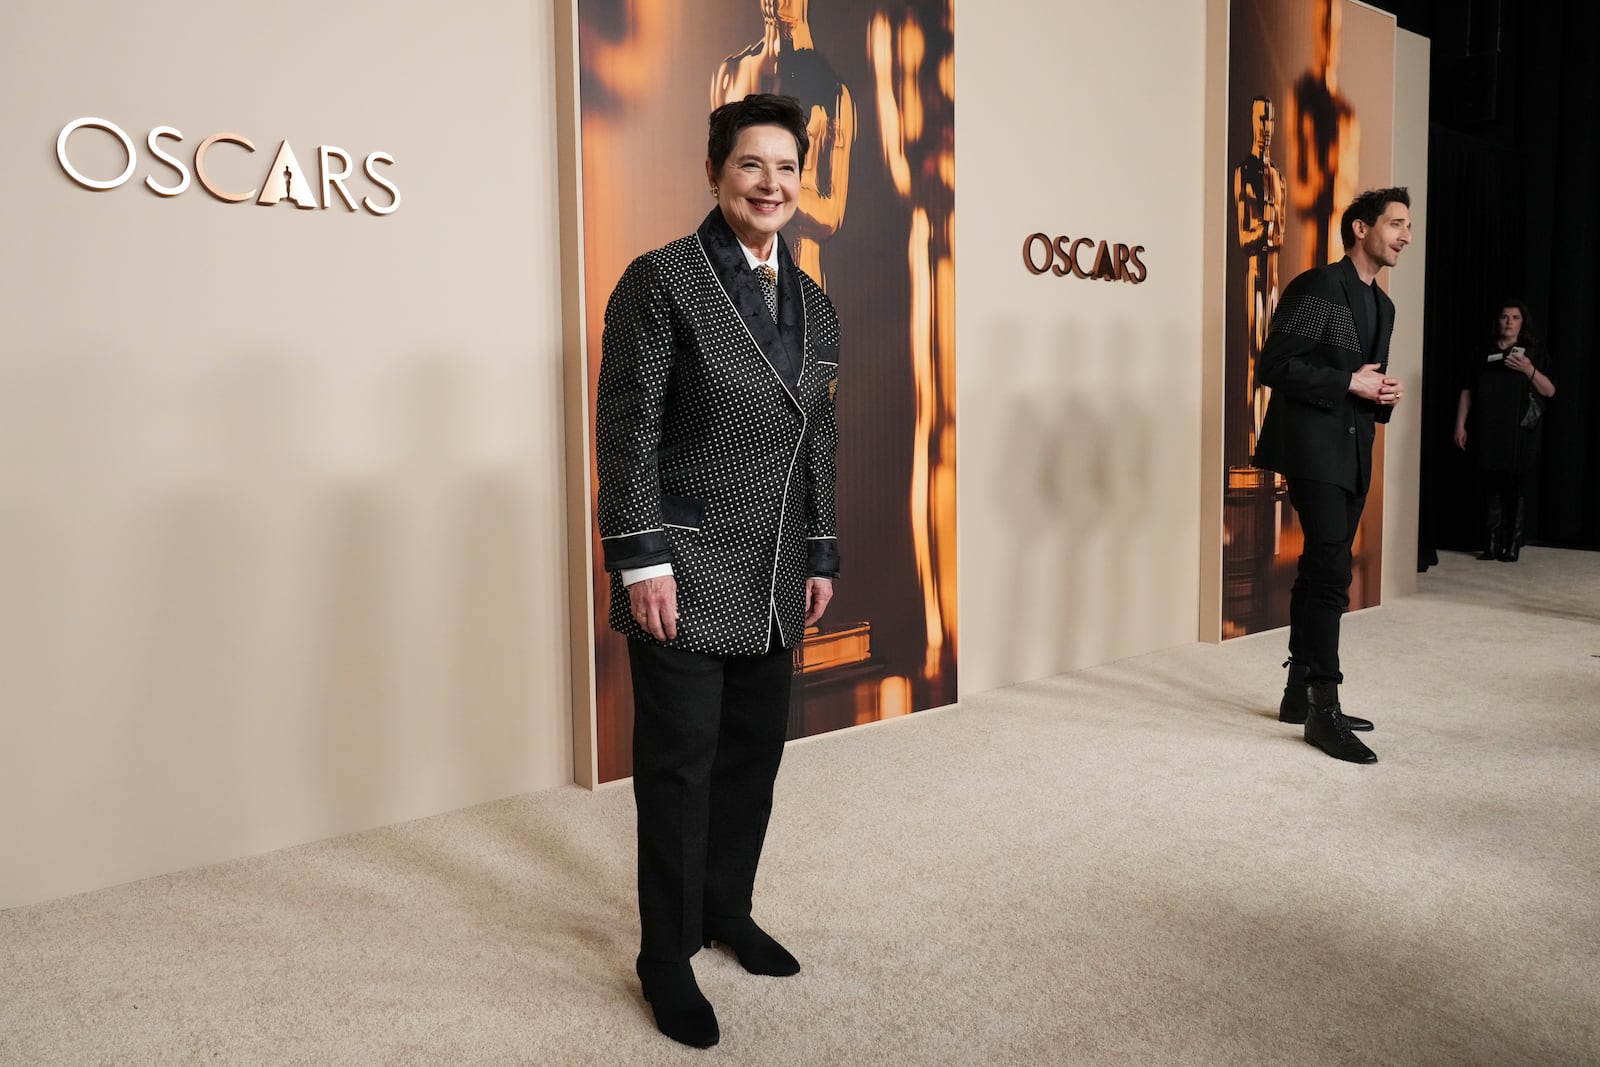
[751,260]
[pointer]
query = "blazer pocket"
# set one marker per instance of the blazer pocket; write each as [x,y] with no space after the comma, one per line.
[684,512]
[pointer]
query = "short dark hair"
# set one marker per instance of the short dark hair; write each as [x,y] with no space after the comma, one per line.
[757,109]
[1369,207]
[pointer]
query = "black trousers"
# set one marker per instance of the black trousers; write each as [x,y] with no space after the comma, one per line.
[1329,516]
[708,735]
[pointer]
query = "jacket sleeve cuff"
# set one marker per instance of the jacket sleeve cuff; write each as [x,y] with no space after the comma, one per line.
[644,548]
[822,557]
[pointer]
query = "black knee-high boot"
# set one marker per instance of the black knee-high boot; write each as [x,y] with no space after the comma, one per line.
[1519,517]
[1493,517]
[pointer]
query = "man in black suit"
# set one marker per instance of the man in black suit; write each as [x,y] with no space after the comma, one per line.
[1326,361]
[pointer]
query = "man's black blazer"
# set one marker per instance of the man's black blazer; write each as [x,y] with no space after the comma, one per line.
[1315,428]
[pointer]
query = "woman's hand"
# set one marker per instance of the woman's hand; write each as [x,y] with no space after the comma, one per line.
[1460,438]
[1519,362]
[654,603]
[818,592]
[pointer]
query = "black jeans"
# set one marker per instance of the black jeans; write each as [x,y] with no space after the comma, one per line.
[708,735]
[1329,516]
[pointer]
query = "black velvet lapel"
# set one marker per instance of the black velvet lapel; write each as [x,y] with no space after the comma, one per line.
[791,305]
[739,282]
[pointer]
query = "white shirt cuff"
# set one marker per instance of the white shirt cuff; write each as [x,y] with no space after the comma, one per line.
[633,575]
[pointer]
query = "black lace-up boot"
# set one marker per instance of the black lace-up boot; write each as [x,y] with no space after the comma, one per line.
[1296,702]
[1327,728]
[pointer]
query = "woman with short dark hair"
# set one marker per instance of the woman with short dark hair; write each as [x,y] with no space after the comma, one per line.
[714,427]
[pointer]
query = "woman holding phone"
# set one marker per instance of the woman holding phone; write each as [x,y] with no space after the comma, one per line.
[1506,419]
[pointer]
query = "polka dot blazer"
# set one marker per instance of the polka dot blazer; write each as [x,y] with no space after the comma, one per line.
[715,435]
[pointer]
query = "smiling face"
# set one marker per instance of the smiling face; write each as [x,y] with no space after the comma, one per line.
[758,186]
[1382,242]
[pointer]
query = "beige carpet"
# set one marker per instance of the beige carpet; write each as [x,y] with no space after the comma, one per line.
[1134,864]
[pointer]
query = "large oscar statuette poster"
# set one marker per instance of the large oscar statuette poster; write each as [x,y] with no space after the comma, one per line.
[875,228]
[1310,125]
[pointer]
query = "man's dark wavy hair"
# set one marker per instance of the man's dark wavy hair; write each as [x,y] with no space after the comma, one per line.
[1369,208]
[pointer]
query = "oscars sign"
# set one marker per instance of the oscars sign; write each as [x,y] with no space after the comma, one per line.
[283,180]
[1062,256]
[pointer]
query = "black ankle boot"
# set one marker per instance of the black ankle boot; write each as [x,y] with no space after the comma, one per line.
[682,1011]
[1296,702]
[1493,518]
[757,951]
[1519,516]
[1294,705]
[1327,728]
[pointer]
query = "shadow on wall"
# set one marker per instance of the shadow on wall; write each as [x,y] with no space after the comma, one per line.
[424,632]
[272,596]
[1092,553]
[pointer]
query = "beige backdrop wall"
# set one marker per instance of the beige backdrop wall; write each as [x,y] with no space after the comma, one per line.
[1079,401]
[281,543]
[281,491]
[1402,460]
[1089,412]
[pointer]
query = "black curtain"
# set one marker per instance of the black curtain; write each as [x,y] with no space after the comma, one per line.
[1562,114]
[1476,257]
[1513,213]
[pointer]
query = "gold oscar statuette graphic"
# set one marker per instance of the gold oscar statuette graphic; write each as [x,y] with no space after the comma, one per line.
[286,181]
[913,68]
[1260,200]
[1253,499]
[1327,141]
[835,660]
[785,60]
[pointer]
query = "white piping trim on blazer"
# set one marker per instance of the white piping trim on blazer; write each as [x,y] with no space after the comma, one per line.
[805,424]
[635,533]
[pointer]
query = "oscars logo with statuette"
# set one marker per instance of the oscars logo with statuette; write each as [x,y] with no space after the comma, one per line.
[284,179]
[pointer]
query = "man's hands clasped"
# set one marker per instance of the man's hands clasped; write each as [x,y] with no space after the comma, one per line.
[1370,383]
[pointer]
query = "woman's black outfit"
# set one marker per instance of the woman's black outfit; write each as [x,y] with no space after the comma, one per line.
[1507,449]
